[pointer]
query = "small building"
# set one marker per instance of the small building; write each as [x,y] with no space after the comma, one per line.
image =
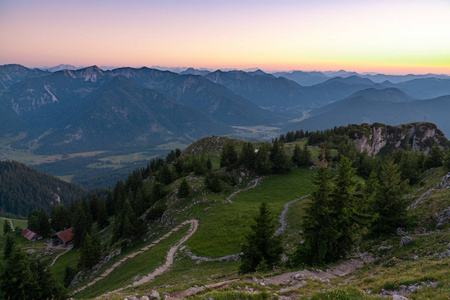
[30,235]
[63,237]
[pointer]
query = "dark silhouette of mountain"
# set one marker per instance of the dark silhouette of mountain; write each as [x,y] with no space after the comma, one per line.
[370,94]
[337,88]
[303,78]
[264,90]
[379,78]
[23,189]
[192,71]
[10,74]
[370,108]
[423,88]
[198,92]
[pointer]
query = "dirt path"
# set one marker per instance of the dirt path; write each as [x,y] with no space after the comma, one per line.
[282,218]
[12,226]
[255,183]
[67,250]
[160,270]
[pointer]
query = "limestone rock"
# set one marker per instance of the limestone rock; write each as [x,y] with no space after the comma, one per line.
[153,295]
[405,241]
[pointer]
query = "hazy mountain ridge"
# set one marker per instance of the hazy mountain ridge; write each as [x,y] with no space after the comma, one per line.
[388,106]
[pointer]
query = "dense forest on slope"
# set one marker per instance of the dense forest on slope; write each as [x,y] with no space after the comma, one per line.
[23,189]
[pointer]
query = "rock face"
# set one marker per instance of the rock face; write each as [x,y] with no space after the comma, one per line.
[443,218]
[379,137]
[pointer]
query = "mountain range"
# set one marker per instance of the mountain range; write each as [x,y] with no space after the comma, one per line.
[89,109]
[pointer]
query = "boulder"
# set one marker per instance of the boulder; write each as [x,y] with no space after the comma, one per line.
[405,241]
[398,297]
[401,231]
[153,295]
[443,218]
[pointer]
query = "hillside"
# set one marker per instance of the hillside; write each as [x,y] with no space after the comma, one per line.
[388,106]
[23,189]
[188,246]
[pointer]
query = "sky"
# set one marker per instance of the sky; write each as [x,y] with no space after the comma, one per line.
[392,37]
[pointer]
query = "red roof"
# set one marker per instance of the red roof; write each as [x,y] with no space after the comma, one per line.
[66,235]
[29,234]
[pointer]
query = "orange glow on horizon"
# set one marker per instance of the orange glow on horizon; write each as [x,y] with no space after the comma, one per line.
[392,37]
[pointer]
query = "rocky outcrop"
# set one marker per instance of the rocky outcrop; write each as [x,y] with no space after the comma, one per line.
[420,136]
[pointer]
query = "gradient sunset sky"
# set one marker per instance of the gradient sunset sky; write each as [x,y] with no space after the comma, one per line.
[394,37]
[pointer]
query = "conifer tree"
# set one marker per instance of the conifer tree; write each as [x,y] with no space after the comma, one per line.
[44,228]
[9,246]
[60,217]
[93,206]
[208,164]
[16,280]
[81,225]
[228,156]
[165,175]
[248,156]
[6,227]
[262,249]
[297,155]
[280,162]
[389,203]
[102,214]
[262,164]
[345,207]
[434,158]
[90,253]
[447,161]
[319,228]
[213,182]
[184,189]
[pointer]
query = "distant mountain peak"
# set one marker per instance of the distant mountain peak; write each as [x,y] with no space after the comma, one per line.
[92,73]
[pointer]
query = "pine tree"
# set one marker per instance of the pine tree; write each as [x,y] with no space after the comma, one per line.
[447,161]
[15,276]
[9,246]
[44,228]
[248,156]
[81,226]
[297,155]
[93,206]
[60,217]
[262,164]
[319,228]
[90,253]
[103,221]
[345,207]
[213,182]
[228,157]
[6,227]
[280,161]
[184,189]
[434,158]
[389,203]
[262,248]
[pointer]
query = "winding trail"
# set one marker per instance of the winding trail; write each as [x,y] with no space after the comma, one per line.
[158,271]
[255,183]
[282,217]
[12,226]
[67,250]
